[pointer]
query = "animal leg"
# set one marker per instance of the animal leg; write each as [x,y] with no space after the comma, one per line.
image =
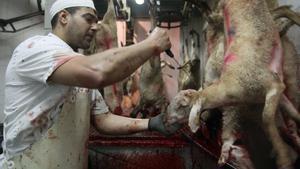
[289,109]
[273,95]
[216,95]
[229,136]
[285,11]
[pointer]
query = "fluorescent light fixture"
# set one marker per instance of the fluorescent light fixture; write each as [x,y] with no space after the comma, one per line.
[139,2]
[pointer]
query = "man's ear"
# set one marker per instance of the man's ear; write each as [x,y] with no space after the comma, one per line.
[63,17]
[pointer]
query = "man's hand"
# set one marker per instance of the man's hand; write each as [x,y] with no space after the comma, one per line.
[177,113]
[160,38]
[157,124]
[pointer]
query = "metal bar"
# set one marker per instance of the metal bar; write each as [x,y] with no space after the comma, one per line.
[146,141]
[27,16]
[39,5]
[29,26]
[13,28]
[16,19]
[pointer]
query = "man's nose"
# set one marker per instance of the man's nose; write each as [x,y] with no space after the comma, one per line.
[94,27]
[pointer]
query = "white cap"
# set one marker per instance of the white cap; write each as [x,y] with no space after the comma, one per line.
[59,5]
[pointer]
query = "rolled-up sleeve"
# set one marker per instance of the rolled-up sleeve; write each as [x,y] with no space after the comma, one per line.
[98,104]
[39,62]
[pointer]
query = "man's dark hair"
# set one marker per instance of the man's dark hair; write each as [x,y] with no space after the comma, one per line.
[71,10]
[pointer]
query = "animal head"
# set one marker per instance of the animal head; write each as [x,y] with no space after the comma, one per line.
[179,108]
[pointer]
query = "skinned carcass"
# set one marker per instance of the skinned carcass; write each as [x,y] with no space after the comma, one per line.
[131,94]
[190,70]
[106,38]
[106,35]
[151,84]
[251,72]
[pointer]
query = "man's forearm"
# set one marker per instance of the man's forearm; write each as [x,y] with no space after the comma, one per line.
[117,125]
[108,67]
[118,63]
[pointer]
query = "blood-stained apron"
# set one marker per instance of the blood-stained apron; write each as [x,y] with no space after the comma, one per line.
[65,144]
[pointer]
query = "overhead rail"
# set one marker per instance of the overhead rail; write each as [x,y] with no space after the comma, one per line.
[10,22]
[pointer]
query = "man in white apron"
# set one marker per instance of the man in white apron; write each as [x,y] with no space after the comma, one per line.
[47,118]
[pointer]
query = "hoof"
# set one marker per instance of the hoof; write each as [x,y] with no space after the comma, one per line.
[225,153]
[221,162]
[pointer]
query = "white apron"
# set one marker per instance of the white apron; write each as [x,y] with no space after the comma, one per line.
[65,144]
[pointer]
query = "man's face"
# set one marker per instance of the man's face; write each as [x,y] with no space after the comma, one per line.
[81,28]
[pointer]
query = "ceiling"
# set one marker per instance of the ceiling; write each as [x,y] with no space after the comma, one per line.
[167,8]
[168,13]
